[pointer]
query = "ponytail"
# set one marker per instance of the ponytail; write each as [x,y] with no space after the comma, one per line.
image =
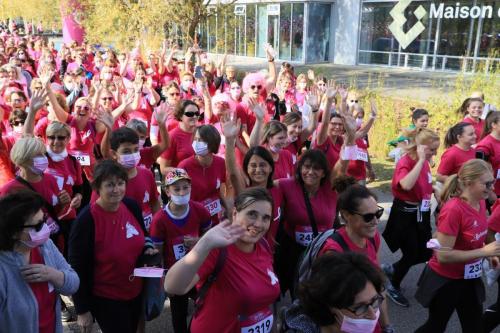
[492,118]
[451,137]
[451,188]
[469,172]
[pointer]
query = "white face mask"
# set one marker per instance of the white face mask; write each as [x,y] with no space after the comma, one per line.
[40,164]
[274,149]
[18,129]
[57,157]
[200,148]
[180,199]
[354,325]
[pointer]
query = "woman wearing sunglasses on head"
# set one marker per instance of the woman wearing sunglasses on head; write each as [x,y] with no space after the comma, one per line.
[181,138]
[452,279]
[33,272]
[342,295]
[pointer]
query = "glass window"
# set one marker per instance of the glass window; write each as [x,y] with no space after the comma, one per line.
[250,30]
[262,26]
[489,39]
[212,28]
[318,33]
[285,27]
[297,31]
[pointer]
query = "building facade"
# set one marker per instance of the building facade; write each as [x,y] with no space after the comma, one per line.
[454,36]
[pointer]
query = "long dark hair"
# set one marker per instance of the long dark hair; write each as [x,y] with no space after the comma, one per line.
[451,137]
[266,156]
[318,159]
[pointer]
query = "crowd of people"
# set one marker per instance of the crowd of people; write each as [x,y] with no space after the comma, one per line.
[262,195]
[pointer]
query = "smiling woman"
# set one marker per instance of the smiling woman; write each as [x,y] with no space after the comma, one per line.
[240,257]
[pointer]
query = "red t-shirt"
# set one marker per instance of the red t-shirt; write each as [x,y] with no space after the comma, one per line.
[370,251]
[247,286]
[119,241]
[423,187]
[494,219]
[294,148]
[297,223]
[81,144]
[67,173]
[331,150]
[142,188]
[283,167]
[478,126]
[206,181]
[45,299]
[144,112]
[47,188]
[453,158]
[170,231]
[357,168]
[180,147]
[491,148]
[147,159]
[457,218]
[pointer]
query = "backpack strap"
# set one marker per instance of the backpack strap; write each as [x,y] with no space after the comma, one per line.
[202,293]
[337,237]
[310,212]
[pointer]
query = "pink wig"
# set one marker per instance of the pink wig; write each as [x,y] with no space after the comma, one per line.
[253,79]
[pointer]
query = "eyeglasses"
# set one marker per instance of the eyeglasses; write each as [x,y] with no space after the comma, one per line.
[37,227]
[107,98]
[174,94]
[58,137]
[363,308]
[191,114]
[370,216]
[235,88]
[17,100]
[259,87]
[79,107]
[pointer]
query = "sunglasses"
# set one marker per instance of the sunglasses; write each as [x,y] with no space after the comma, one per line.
[58,137]
[78,107]
[107,98]
[370,216]
[259,87]
[363,308]
[191,114]
[37,227]
[354,100]
[174,94]
[17,123]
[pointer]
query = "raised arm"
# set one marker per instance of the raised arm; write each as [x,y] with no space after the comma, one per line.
[258,110]
[313,102]
[230,129]
[340,168]
[409,181]
[183,275]
[161,115]
[36,103]
[106,120]
[362,132]
[154,97]
[271,67]
[325,119]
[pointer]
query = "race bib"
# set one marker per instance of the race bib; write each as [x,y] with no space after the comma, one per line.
[260,322]
[473,270]
[426,205]
[303,235]
[429,177]
[179,251]
[362,155]
[81,157]
[147,220]
[213,206]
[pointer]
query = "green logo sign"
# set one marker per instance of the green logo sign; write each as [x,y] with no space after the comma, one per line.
[396,27]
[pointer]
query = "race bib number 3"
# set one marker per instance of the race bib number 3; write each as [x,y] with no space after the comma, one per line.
[264,325]
[179,251]
[473,270]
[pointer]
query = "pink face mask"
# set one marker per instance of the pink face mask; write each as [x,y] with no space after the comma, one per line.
[130,160]
[353,325]
[37,238]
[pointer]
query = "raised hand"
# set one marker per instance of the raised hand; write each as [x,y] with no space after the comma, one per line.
[421,152]
[161,113]
[331,92]
[270,53]
[343,93]
[105,118]
[230,127]
[373,106]
[38,99]
[312,99]
[223,234]
[256,108]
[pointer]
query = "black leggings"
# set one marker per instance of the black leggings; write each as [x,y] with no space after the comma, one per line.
[179,309]
[115,316]
[457,295]
[492,319]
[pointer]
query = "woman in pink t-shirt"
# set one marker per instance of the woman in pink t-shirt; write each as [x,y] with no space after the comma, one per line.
[240,256]
[452,279]
[472,109]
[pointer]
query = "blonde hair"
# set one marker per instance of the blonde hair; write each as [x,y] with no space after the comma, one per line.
[56,127]
[420,136]
[469,172]
[25,149]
